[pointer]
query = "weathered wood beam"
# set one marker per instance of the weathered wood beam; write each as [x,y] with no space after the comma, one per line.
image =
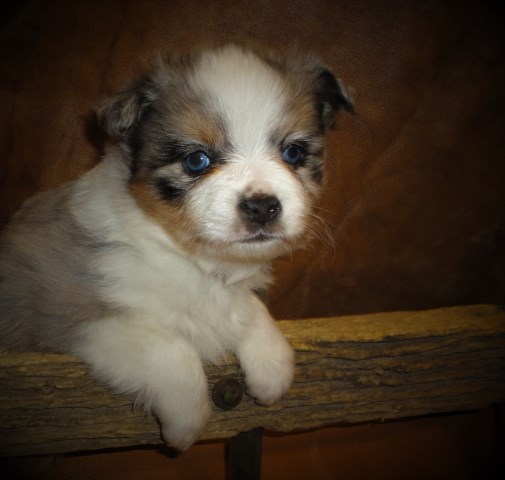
[349,369]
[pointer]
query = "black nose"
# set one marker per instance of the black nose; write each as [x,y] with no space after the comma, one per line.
[260,209]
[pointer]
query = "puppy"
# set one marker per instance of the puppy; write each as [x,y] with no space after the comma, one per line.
[148,265]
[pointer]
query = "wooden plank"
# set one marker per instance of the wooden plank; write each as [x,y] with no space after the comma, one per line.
[349,369]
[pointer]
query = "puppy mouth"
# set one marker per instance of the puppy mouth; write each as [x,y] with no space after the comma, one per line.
[259,237]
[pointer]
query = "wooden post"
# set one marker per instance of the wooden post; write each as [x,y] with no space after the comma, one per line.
[244,455]
[500,441]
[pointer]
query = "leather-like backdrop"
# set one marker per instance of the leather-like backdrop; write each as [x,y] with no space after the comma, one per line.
[415,199]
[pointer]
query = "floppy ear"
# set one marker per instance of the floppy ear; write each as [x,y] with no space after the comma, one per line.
[118,115]
[332,96]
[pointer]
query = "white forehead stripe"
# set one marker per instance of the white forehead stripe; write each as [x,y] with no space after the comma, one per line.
[246,92]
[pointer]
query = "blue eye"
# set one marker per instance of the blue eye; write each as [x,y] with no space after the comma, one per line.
[197,161]
[292,154]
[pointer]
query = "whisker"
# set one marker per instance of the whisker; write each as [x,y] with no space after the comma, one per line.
[325,210]
[320,229]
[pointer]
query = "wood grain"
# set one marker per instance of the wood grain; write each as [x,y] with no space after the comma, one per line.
[349,369]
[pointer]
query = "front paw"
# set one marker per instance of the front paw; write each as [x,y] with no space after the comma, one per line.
[269,370]
[183,426]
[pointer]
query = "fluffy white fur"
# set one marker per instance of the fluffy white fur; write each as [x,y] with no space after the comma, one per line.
[145,297]
[179,311]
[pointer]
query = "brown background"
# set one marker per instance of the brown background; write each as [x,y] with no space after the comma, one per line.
[415,198]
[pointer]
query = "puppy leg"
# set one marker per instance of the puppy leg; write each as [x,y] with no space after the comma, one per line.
[266,357]
[163,370]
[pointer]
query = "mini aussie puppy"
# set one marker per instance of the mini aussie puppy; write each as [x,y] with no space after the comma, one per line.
[147,265]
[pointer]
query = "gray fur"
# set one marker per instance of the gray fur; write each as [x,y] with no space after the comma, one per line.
[47,283]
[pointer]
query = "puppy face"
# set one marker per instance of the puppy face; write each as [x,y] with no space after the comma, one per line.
[226,148]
